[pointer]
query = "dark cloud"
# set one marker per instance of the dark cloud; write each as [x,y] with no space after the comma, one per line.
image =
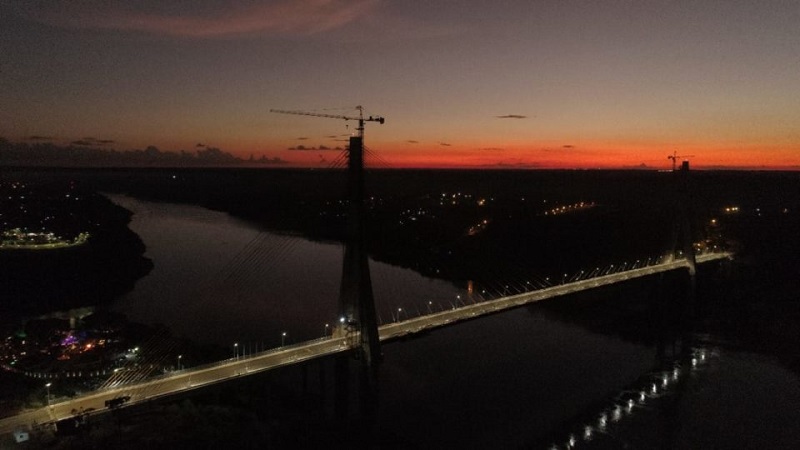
[200,145]
[302,138]
[411,141]
[333,136]
[303,148]
[568,146]
[88,141]
[512,116]
[40,138]
[444,144]
[89,152]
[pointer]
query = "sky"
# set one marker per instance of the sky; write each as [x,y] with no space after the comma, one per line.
[467,83]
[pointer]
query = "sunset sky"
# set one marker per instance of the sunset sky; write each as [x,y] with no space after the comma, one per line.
[467,83]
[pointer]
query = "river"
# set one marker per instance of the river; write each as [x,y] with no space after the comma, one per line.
[217,279]
[502,381]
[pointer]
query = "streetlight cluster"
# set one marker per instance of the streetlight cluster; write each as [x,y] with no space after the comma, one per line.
[496,290]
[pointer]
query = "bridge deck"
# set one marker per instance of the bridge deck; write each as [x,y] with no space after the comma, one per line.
[197,377]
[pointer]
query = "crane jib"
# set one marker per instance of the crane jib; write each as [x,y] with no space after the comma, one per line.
[361,119]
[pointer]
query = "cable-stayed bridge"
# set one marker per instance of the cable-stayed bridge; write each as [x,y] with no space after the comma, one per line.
[359,331]
[338,342]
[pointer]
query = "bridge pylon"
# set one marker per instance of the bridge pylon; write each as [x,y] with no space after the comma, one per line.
[682,235]
[683,238]
[357,304]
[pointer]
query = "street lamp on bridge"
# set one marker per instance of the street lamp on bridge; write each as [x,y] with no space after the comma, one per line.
[47,386]
[236,350]
[283,338]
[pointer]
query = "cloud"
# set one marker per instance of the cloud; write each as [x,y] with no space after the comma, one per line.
[493,149]
[200,145]
[412,141]
[84,142]
[302,138]
[444,144]
[568,146]
[512,116]
[303,148]
[219,18]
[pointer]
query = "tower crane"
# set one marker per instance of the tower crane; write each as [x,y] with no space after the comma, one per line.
[674,157]
[361,119]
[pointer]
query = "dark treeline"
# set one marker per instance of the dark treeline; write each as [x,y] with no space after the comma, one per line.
[415,221]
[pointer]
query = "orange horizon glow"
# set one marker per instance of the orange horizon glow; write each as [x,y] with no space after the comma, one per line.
[537,156]
[579,155]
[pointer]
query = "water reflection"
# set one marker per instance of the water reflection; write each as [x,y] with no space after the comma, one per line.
[605,422]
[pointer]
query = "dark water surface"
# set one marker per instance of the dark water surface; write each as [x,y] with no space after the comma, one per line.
[503,381]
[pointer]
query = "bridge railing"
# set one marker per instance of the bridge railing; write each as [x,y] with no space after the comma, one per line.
[482,304]
[212,365]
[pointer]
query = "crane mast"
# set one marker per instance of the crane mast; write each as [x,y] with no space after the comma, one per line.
[361,119]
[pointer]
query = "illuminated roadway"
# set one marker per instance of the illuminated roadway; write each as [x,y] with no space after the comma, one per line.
[197,377]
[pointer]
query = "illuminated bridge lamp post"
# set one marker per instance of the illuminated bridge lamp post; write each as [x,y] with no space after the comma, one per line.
[179,361]
[399,310]
[325,332]
[283,338]
[236,350]
[47,386]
